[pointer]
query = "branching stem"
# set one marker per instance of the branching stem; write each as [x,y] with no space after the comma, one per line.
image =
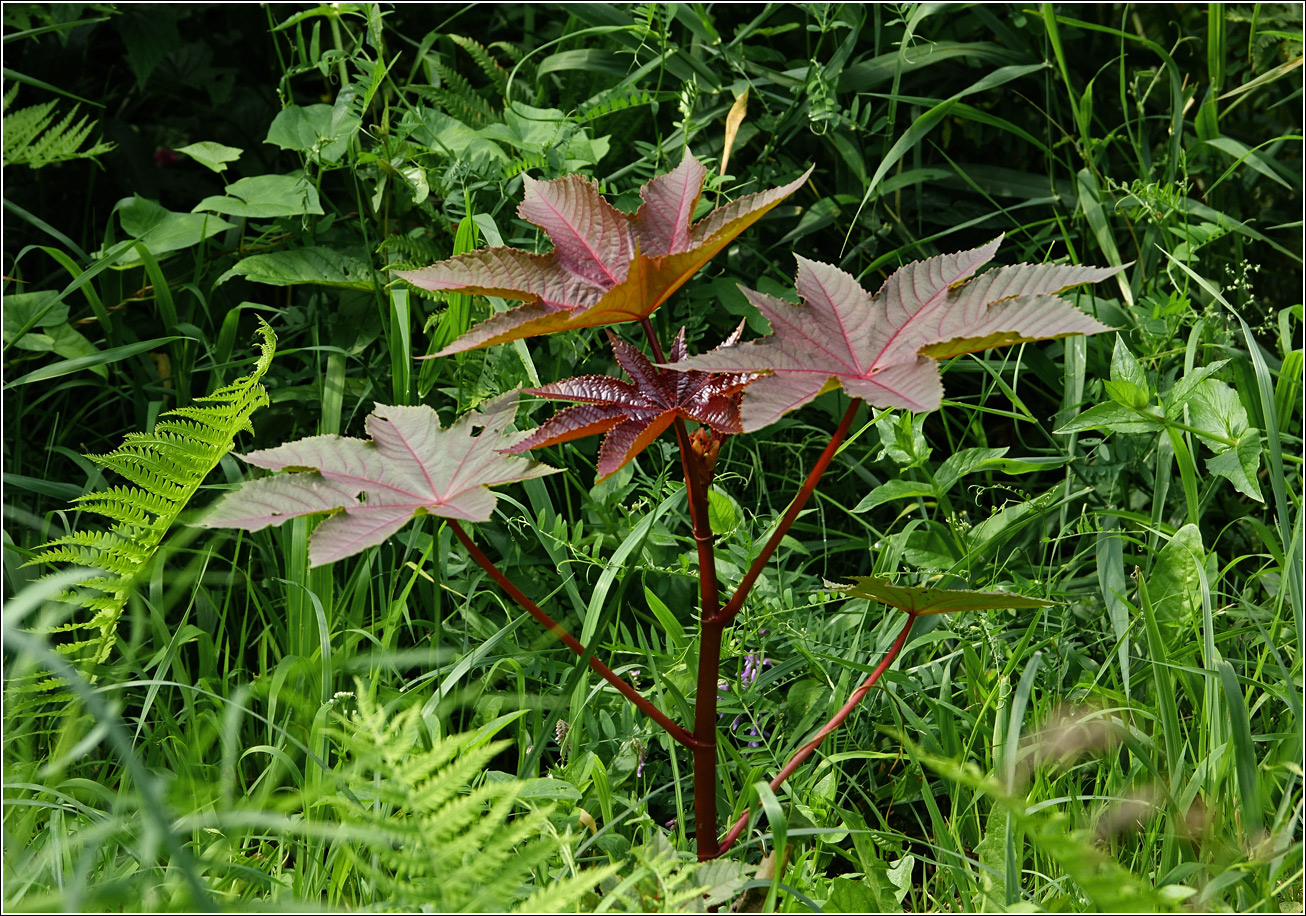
[710,634]
[786,522]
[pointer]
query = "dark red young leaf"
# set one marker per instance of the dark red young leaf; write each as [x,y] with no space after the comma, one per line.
[606,266]
[635,413]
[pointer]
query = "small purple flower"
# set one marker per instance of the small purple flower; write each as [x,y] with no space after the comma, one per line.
[754,662]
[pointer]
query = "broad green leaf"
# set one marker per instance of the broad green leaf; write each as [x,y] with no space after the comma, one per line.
[900,876]
[921,599]
[528,129]
[1115,417]
[1177,397]
[1215,409]
[266,197]
[1240,464]
[722,513]
[411,467]
[1174,584]
[1025,465]
[162,230]
[1127,394]
[299,266]
[24,311]
[895,489]
[212,155]
[902,438]
[850,896]
[1128,384]
[68,342]
[967,461]
[35,342]
[606,266]
[439,132]
[62,339]
[884,348]
[1125,367]
[321,131]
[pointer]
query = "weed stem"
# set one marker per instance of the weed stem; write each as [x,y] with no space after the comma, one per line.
[674,730]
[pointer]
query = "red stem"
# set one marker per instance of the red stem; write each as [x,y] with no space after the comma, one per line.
[805,751]
[557,630]
[710,634]
[809,486]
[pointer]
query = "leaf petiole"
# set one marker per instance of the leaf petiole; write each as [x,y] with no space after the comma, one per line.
[791,514]
[626,690]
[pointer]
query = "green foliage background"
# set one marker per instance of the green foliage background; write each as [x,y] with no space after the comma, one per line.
[1136,746]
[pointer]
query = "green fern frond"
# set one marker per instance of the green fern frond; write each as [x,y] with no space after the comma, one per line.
[511,51]
[617,99]
[523,163]
[31,136]
[417,249]
[167,467]
[428,838]
[489,66]
[458,98]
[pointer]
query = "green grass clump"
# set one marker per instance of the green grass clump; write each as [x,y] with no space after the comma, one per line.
[1137,744]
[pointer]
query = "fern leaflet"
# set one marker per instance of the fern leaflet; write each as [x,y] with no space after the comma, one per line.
[32,138]
[167,467]
[436,834]
[489,66]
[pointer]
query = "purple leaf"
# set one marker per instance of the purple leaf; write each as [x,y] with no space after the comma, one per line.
[411,467]
[884,348]
[605,267]
[634,415]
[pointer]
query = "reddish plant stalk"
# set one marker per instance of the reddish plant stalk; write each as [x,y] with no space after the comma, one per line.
[711,628]
[786,522]
[805,751]
[710,635]
[557,630]
[705,715]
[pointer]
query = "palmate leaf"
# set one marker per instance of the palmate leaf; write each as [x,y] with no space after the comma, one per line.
[411,467]
[606,266]
[884,348]
[634,415]
[920,599]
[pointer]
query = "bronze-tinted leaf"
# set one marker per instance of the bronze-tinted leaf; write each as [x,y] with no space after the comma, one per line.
[883,348]
[605,267]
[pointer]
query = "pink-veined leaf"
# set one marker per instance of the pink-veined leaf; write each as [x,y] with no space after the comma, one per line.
[411,466]
[606,266]
[633,414]
[923,599]
[884,348]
